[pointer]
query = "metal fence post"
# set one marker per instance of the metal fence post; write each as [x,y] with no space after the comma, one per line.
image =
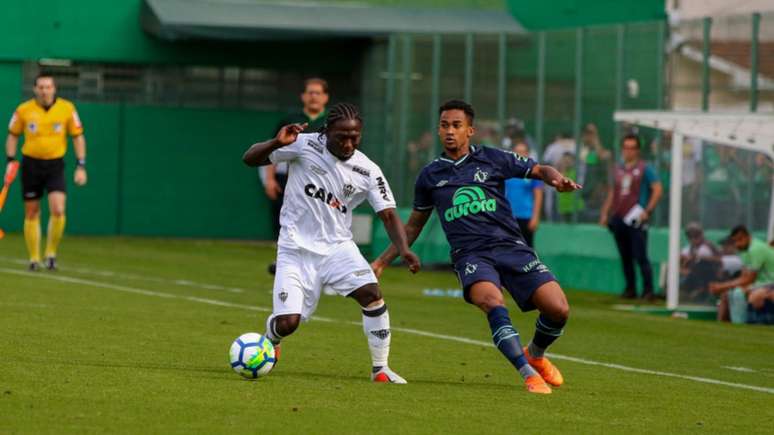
[619,79]
[705,68]
[435,91]
[501,82]
[405,109]
[389,98]
[541,91]
[756,25]
[576,199]
[469,52]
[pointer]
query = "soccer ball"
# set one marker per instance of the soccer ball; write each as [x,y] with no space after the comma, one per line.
[252,355]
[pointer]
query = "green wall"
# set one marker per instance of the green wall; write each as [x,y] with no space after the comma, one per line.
[157,170]
[188,178]
[164,172]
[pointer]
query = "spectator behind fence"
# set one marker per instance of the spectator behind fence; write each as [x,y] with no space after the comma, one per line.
[420,151]
[750,297]
[763,177]
[515,133]
[569,203]
[525,196]
[563,143]
[700,264]
[629,204]
[723,186]
[596,167]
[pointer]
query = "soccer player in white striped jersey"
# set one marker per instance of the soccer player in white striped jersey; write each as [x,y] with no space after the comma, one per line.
[328,177]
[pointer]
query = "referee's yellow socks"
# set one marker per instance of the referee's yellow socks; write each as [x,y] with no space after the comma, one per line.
[56,226]
[32,237]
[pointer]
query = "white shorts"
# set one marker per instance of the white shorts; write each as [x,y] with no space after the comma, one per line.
[301,276]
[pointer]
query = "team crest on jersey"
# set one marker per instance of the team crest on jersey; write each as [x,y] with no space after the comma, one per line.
[362,171]
[32,127]
[348,190]
[57,127]
[317,146]
[480,176]
[283,296]
[470,268]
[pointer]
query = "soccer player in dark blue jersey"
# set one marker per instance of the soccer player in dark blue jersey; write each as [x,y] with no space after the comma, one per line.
[466,186]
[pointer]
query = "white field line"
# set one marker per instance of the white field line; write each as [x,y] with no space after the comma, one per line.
[105,273]
[404,330]
[739,369]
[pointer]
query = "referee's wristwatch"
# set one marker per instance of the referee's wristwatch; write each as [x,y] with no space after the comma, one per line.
[81,163]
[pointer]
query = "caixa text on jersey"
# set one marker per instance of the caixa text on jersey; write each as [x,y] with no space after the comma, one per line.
[319,193]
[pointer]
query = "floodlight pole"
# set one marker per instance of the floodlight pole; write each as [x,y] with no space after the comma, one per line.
[675,220]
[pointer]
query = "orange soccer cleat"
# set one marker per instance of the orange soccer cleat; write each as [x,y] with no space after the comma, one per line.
[536,384]
[548,371]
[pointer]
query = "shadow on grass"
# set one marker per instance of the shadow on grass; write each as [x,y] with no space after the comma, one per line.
[462,382]
[117,365]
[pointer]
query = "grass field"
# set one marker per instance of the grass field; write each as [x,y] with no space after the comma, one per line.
[131,336]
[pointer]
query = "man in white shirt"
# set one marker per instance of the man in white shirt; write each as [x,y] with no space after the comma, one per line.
[328,178]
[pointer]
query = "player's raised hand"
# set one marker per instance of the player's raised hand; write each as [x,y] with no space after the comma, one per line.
[564,184]
[412,261]
[289,133]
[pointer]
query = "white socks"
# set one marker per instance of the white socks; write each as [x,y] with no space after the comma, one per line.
[376,325]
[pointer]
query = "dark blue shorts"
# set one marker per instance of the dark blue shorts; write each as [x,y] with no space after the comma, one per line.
[517,269]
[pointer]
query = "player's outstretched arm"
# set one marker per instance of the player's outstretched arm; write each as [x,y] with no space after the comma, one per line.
[397,233]
[413,228]
[554,178]
[258,154]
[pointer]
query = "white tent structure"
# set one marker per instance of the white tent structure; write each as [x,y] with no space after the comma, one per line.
[750,131]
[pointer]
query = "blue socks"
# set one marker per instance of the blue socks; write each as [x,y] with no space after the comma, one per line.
[506,339]
[546,332]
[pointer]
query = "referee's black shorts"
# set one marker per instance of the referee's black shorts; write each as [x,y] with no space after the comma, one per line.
[39,175]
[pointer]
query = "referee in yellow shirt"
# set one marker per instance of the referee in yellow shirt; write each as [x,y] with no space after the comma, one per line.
[45,120]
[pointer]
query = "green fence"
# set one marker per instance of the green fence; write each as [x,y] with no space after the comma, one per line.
[524,87]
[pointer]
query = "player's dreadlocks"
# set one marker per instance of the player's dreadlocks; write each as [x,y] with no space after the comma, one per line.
[340,112]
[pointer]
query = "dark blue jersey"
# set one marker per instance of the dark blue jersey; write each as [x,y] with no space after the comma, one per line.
[469,196]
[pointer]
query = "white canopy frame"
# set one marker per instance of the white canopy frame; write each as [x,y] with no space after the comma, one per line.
[750,131]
